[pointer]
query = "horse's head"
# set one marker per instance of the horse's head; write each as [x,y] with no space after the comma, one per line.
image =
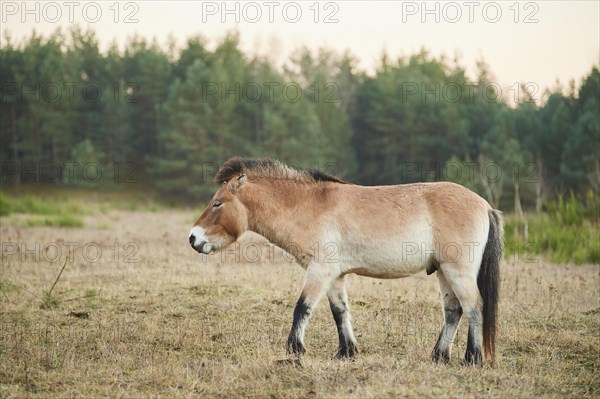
[223,221]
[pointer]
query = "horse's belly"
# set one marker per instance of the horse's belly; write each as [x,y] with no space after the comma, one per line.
[397,254]
[394,261]
[381,273]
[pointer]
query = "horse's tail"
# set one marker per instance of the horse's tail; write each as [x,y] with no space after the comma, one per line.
[488,282]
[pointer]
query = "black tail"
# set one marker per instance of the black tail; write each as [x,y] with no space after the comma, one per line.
[488,282]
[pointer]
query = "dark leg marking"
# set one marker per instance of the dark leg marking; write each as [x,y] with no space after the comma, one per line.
[473,354]
[347,347]
[441,351]
[474,339]
[301,315]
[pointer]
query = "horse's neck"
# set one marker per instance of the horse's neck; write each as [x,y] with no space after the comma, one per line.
[274,211]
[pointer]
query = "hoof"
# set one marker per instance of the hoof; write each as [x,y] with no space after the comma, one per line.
[295,347]
[347,351]
[473,359]
[442,357]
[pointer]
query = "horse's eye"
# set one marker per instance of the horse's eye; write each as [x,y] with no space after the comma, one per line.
[217,204]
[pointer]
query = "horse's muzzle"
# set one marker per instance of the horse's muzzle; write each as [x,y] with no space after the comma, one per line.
[199,241]
[202,247]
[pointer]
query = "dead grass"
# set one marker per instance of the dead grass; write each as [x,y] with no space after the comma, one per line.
[171,325]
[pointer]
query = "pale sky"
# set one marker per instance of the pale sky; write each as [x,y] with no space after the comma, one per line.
[537,42]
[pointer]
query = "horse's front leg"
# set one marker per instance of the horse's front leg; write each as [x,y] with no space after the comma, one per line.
[318,280]
[338,302]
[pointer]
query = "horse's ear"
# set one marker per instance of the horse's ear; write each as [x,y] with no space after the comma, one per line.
[239,182]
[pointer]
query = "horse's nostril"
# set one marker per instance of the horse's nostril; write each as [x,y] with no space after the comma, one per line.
[192,239]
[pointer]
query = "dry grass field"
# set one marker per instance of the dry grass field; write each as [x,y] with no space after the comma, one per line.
[155,319]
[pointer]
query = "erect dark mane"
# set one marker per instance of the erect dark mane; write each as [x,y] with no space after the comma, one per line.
[269,168]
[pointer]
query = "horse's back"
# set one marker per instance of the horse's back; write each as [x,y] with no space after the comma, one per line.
[410,202]
[400,230]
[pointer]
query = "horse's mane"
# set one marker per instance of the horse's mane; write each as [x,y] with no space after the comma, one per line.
[270,169]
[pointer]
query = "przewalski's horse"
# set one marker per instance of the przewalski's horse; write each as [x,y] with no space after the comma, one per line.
[382,232]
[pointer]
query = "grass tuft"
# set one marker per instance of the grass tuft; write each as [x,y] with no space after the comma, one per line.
[90,296]
[8,286]
[569,232]
[56,221]
[35,206]
[5,205]
[43,212]
[48,300]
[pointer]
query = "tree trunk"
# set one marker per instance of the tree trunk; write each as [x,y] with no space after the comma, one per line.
[538,189]
[490,193]
[519,210]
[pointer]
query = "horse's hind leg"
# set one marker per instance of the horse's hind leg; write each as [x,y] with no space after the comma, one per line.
[464,285]
[317,281]
[452,314]
[338,302]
